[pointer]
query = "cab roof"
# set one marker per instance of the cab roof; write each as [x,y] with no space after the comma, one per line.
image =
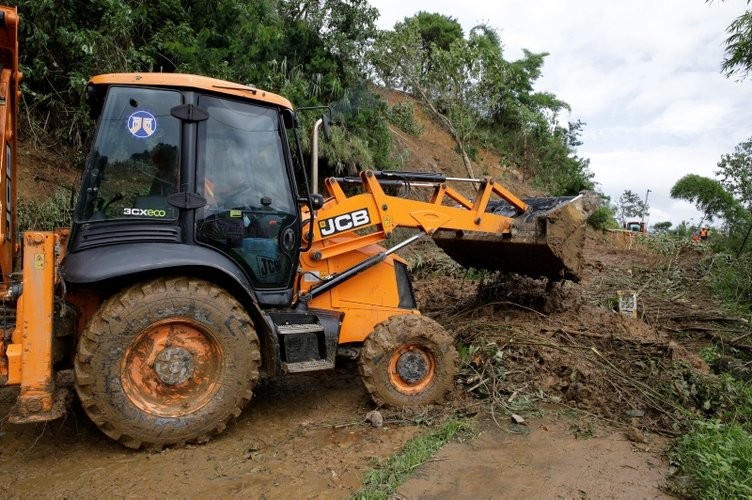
[183,80]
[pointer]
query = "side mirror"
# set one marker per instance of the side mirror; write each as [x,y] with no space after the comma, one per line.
[317,201]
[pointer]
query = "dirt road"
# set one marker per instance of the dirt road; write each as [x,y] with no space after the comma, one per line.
[300,437]
[305,437]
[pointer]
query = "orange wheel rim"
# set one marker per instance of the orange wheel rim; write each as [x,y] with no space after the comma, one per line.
[412,369]
[172,369]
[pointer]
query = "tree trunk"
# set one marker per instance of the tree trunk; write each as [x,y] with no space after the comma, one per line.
[450,127]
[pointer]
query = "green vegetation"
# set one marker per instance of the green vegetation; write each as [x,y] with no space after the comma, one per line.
[384,479]
[631,207]
[45,215]
[738,60]
[731,280]
[716,456]
[464,83]
[314,52]
[402,115]
[603,218]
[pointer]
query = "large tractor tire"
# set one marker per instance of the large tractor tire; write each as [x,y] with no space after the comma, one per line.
[408,361]
[167,362]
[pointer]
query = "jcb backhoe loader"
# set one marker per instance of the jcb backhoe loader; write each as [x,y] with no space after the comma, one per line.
[198,257]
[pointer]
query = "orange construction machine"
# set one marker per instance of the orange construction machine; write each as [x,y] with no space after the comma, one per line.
[199,257]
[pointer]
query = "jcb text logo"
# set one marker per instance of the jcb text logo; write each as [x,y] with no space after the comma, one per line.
[344,222]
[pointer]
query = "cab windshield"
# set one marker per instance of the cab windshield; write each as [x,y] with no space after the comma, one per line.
[134,162]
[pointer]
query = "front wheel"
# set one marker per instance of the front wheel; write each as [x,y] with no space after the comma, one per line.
[167,362]
[408,361]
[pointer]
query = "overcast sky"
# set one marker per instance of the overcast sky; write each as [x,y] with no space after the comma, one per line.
[644,76]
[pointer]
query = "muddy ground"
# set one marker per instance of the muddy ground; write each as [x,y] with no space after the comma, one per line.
[585,379]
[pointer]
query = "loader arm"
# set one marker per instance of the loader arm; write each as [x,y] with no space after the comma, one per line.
[348,271]
[383,213]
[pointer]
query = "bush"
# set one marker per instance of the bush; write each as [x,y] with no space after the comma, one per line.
[603,218]
[402,115]
[731,280]
[717,458]
[45,215]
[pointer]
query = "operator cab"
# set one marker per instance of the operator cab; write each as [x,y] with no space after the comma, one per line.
[188,171]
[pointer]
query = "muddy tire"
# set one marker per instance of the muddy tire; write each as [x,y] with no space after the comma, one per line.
[167,362]
[408,361]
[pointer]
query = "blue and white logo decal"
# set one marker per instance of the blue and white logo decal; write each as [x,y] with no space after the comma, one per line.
[142,124]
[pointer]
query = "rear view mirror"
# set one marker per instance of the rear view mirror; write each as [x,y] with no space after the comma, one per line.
[317,201]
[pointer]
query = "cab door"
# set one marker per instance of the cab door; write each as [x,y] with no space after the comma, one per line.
[251,213]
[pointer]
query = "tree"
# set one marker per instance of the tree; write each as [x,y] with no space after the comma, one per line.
[662,227]
[451,83]
[630,206]
[735,172]
[468,86]
[310,51]
[738,57]
[709,196]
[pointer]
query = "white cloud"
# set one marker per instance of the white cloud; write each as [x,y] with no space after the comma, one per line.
[644,76]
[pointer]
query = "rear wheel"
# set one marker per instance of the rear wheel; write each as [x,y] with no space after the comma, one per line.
[167,362]
[408,360]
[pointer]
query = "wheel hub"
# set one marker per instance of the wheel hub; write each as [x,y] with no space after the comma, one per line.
[412,366]
[174,365]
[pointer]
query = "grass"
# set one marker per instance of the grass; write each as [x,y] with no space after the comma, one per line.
[715,457]
[47,214]
[385,478]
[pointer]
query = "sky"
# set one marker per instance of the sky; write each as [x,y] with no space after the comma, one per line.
[643,75]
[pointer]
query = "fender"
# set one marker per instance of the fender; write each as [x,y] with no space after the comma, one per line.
[98,264]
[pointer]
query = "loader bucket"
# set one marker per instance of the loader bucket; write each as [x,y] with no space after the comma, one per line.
[546,241]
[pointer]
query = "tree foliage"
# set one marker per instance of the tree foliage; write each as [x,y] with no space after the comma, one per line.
[468,86]
[738,56]
[708,195]
[315,52]
[311,51]
[630,206]
[662,227]
[735,172]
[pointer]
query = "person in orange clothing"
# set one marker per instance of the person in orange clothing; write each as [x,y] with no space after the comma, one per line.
[704,232]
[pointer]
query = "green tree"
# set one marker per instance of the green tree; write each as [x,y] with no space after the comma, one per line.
[310,51]
[468,86]
[451,83]
[735,172]
[738,56]
[630,205]
[709,196]
[662,227]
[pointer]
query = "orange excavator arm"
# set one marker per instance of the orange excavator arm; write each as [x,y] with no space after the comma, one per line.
[373,208]
[494,230]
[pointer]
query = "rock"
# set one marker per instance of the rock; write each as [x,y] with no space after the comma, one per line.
[375,419]
[635,435]
[517,419]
